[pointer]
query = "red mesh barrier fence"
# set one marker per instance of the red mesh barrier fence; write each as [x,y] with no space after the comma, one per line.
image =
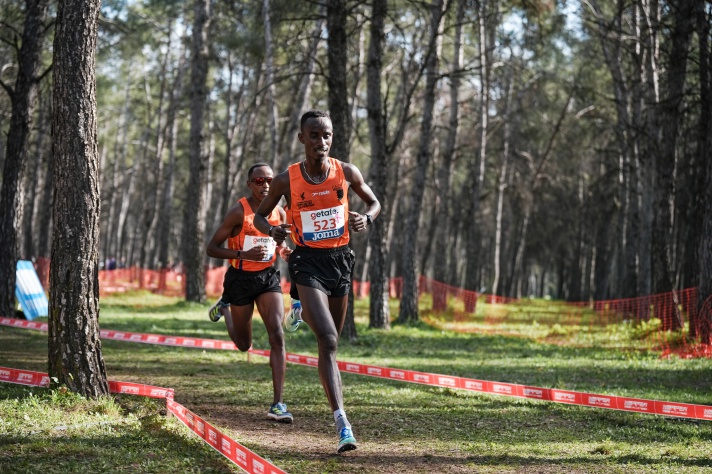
[669,322]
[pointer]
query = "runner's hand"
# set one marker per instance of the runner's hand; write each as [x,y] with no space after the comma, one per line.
[357,221]
[257,253]
[284,252]
[280,232]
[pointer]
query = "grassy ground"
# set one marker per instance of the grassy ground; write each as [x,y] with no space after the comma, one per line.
[400,427]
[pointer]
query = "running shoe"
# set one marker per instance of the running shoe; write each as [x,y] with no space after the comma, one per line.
[347,442]
[294,317]
[279,412]
[215,313]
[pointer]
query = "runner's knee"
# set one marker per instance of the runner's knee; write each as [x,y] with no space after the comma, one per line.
[276,339]
[242,346]
[328,342]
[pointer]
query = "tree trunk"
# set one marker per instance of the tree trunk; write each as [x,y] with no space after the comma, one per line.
[444,176]
[502,183]
[477,167]
[126,200]
[30,238]
[195,227]
[337,43]
[45,202]
[163,226]
[269,77]
[148,248]
[23,99]
[302,96]
[409,301]
[649,54]
[75,358]
[117,171]
[339,110]
[665,163]
[379,311]
[701,326]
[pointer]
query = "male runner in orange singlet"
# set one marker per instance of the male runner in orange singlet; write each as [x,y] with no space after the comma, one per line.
[318,221]
[252,279]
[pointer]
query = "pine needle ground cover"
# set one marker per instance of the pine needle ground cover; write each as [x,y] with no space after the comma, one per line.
[400,427]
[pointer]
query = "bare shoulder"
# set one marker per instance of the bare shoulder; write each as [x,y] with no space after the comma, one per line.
[352,173]
[235,214]
[281,182]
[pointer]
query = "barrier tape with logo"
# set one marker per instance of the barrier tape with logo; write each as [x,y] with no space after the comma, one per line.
[231,449]
[569,397]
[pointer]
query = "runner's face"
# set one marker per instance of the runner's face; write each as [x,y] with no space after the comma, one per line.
[316,137]
[261,174]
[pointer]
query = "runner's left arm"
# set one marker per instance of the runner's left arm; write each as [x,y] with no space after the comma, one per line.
[359,222]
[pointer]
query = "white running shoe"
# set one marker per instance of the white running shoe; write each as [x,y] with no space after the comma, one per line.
[294,317]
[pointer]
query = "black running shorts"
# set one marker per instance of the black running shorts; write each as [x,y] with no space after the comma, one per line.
[327,270]
[241,287]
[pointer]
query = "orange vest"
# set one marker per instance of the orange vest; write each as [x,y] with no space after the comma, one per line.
[250,237]
[319,213]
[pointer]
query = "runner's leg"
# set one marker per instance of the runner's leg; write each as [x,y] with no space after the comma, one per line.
[239,325]
[316,313]
[271,307]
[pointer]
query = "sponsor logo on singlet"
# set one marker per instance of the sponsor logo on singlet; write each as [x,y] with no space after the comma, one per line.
[323,224]
[252,241]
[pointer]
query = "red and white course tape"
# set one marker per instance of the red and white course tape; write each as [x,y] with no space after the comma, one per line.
[231,449]
[569,397]
[223,444]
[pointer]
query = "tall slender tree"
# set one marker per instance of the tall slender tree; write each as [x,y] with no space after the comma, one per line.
[409,302]
[194,224]
[75,358]
[269,77]
[379,312]
[23,98]
[702,327]
[665,159]
[339,109]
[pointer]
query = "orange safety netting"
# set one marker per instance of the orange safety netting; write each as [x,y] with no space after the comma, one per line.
[668,322]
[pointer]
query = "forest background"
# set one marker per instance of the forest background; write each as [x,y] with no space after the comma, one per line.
[548,149]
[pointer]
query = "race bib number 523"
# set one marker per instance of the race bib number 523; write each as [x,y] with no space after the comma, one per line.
[323,224]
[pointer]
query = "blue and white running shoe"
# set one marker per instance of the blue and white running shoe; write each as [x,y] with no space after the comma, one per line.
[294,317]
[347,442]
[279,412]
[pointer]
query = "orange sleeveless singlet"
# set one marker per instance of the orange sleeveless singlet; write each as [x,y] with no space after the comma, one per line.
[319,213]
[250,237]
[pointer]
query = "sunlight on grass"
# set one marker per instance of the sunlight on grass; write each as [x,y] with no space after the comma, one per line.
[401,427]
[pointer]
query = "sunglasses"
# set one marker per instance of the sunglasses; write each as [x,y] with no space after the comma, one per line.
[261,181]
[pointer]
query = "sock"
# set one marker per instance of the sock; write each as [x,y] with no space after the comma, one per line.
[341,420]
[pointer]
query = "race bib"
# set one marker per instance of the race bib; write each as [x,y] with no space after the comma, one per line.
[323,224]
[252,241]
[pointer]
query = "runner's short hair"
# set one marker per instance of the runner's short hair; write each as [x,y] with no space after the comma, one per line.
[313,113]
[254,167]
